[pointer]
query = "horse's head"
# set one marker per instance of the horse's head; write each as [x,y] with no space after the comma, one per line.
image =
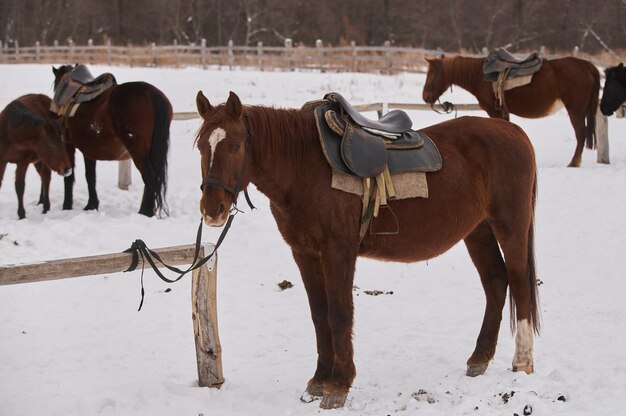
[51,147]
[436,83]
[223,144]
[60,72]
[614,93]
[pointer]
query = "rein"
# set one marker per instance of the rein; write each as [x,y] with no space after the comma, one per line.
[446,107]
[139,249]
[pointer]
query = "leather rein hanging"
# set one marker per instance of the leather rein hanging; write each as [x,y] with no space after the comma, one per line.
[139,249]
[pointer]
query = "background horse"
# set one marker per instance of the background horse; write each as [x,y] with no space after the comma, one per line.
[128,120]
[484,194]
[30,134]
[570,82]
[614,92]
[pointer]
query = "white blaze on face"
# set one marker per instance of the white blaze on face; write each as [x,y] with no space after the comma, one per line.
[215,138]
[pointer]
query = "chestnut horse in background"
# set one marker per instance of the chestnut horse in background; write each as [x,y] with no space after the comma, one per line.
[130,120]
[29,134]
[484,194]
[614,92]
[570,82]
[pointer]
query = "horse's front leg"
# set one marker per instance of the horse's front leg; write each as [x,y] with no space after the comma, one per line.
[44,195]
[313,278]
[338,263]
[20,185]
[90,175]
[68,181]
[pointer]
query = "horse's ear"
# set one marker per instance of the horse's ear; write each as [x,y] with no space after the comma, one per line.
[55,71]
[233,106]
[203,104]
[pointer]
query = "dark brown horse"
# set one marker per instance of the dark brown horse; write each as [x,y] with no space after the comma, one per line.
[570,82]
[130,120]
[484,195]
[29,134]
[614,92]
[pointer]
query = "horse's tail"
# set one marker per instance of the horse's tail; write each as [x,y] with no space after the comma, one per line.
[159,149]
[531,271]
[591,139]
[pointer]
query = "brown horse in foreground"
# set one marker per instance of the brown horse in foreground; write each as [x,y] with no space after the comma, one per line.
[484,194]
[570,82]
[130,120]
[29,134]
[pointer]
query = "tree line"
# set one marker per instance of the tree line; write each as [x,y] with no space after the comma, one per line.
[450,25]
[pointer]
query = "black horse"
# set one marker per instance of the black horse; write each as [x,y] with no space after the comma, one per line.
[614,93]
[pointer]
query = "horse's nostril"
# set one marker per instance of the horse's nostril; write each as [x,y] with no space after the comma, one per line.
[221,209]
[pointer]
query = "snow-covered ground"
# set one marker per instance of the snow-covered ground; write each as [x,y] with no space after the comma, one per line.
[79,346]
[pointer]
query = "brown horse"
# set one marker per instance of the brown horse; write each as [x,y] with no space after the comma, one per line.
[570,82]
[29,134]
[484,194]
[128,120]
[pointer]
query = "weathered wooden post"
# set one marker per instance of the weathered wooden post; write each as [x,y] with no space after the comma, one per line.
[153,53]
[109,51]
[231,54]
[320,53]
[355,65]
[204,317]
[288,53]
[387,45]
[17,51]
[37,51]
[259,54]
[602,137]
[70,43]
[124,174]
[90,48]
[203,53]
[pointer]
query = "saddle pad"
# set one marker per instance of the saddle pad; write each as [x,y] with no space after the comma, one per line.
[424,159]
[406,185]
[509,84]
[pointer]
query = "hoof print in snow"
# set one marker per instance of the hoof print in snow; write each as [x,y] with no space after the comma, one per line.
[377,292]
[528,410]
[561,398]
[507,396]
[423,396]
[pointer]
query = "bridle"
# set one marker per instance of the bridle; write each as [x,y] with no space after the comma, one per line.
[139,249]
[446,107]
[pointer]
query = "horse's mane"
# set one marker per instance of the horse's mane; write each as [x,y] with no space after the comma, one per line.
[287,133]
[19,114]
[462,69]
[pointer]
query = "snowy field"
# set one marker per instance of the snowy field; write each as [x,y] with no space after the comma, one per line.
[79,346]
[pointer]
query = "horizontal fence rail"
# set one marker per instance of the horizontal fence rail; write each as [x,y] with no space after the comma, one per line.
[203,293]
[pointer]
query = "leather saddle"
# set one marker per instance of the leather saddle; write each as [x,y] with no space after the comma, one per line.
[79,86]
[356,145]
[502,60]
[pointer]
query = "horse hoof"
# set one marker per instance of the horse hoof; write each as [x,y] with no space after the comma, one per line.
[308,397]
[476,370]
[333,400]
[91,206]
[527,368]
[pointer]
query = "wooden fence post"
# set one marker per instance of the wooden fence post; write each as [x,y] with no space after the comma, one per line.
[203,53]
[124,174]
[320,53]
[231,54]
[387,45]
[109,51]
[37,51]
[17,51]
[204,317]
[153,53]
[70,43]
[355,65]
[90,47]
[259,54]
[288,53]
[602,137]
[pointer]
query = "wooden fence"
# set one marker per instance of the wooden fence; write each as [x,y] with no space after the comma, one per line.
[386,59]
[203,294]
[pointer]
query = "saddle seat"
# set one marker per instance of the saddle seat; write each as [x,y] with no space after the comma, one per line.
[79,86]
[502,60]
[395,121]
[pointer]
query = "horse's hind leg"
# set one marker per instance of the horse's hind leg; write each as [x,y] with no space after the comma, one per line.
[90,175]
[578,122]
[485,253]
[20,185]
[44,195]
[313,279]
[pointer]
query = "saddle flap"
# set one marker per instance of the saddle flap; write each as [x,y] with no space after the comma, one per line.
[364,153]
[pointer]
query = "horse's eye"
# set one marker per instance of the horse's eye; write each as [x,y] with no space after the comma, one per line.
[235,148]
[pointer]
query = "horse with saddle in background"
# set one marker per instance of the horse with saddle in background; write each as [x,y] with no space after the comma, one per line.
[29,133]
[481,186]
[614,92]
[110,121]
[530,87]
